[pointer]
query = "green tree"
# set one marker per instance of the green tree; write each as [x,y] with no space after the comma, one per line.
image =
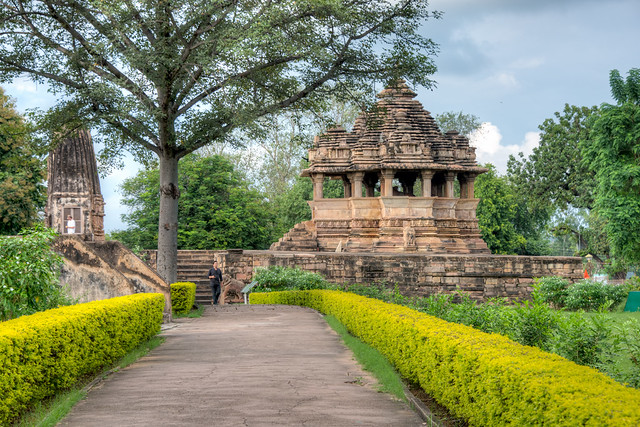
[554,172]
[612,154]
[497,212]
[458,121]
[22,173]
[169,77]
[218,210]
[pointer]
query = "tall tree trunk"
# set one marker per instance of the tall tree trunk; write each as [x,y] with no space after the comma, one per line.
[167,263]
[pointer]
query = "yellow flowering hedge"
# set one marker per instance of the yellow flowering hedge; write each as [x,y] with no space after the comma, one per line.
[51,350]
[183,296]
[485,378]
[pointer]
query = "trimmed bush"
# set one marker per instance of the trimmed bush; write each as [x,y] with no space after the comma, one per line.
[183,296]
[485,378]
[53,349]
[589,295]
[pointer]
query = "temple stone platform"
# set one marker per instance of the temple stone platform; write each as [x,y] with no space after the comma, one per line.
[483,276]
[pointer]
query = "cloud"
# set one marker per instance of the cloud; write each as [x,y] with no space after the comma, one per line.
[489,148]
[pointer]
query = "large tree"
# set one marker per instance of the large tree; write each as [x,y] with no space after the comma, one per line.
[612,153]
[554,173]
[168,77]
[22,172]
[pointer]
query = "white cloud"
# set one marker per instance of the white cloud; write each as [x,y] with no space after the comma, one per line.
[489,148]
[24,85]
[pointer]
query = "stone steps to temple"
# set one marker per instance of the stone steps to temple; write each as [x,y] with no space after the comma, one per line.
[299,238]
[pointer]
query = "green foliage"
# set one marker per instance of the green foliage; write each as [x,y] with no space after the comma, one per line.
[22,172]
[52,350]
[480,377]
[612,154]
[458,121]
[29,274]
[282,278]
[218,210]
[583,295]
[590,295]
[183,297]
[497,212]
[554,172]
[551,290]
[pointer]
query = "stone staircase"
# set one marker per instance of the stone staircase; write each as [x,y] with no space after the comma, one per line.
[193,266]
[301,238]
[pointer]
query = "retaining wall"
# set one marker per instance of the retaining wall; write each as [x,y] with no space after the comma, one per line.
[483,276]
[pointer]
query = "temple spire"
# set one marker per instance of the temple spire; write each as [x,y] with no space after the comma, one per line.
[74,201]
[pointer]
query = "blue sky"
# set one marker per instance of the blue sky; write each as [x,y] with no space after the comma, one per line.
[512,63]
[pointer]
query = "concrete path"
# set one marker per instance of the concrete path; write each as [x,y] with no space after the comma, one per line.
[247,366]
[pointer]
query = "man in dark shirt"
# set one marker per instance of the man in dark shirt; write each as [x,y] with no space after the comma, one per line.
[215,279]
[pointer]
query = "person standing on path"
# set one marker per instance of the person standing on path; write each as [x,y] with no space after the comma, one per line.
[215,279]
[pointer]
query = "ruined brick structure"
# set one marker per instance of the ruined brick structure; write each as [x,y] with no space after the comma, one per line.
[398,171]
[74,188]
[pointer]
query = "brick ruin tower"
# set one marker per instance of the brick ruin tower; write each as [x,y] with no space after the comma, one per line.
[74,188]
[399,175]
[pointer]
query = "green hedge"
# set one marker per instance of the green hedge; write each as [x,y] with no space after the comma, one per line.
[183,296]
[53,349]
[485,378]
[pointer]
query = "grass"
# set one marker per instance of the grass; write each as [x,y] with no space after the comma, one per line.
[192,314]
[49,412]
[371,360]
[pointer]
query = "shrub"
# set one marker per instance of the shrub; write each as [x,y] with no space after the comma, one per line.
[283,278]
[53,349]
[552,290]
[30,274]
[485,378]
[183,296]
[590,295]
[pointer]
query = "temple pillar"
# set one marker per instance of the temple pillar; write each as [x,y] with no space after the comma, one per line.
[448,186]
[470,190]
[386,187]
[356,184]
[318,181]
[346,184]
[426,183]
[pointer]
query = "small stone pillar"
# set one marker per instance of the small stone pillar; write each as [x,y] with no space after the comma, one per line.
[356,184]
[426,183]
[387,183]
[346,185]
[318,181]
[448,187]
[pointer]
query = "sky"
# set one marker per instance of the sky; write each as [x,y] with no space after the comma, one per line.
[512,63]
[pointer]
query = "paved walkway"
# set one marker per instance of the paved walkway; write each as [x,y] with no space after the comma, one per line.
[244,365]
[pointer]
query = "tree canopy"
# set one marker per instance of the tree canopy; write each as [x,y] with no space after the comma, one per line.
[168,77]
[22,172]
[217,211]
[458,121]
[554,173]
[612,154]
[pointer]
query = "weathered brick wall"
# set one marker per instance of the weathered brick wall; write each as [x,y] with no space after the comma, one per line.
[484,276]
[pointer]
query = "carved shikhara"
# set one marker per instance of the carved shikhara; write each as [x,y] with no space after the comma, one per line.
[74,188]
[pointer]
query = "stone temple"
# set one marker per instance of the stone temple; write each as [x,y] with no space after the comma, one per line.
[74,188]
[407,186]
